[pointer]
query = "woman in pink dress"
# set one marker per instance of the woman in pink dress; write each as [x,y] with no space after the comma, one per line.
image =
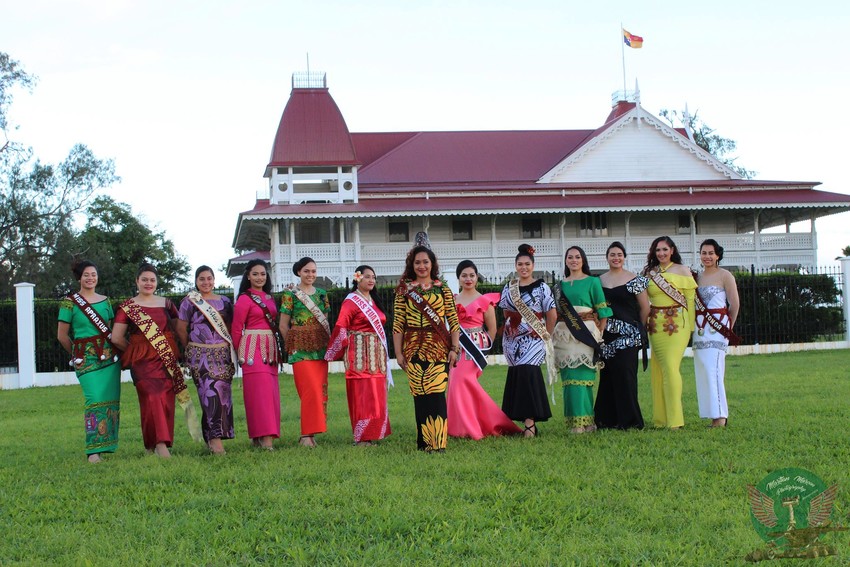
[254,334]
[472,412]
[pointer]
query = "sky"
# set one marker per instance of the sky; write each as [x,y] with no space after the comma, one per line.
[186,96]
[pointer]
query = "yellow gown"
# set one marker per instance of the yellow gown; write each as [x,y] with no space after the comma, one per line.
[670,328]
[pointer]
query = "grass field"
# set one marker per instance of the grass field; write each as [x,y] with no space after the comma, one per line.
[652,497]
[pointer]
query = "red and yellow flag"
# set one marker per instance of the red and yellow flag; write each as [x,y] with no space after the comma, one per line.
[632,40]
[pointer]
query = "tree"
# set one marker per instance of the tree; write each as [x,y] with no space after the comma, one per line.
[706,138]
[118,242]
[845,252]
[38,202]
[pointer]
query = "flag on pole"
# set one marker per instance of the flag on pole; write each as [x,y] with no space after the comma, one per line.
[633,41]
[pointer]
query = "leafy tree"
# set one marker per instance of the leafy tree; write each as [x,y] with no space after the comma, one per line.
[38,201]
[706,137]
[845,252]
[118,242]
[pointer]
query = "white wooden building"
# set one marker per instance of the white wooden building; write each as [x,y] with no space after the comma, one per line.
[347,198]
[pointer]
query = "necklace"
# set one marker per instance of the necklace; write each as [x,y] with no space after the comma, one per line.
[665,268]
[363,295]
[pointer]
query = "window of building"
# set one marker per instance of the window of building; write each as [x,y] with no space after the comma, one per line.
[462,229]
[399,231]
[684,224]
[593,224]
[323,231]
[532,228]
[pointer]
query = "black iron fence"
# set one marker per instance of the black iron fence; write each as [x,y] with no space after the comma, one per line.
[776,307]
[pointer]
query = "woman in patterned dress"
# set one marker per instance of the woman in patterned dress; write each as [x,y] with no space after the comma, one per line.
[423,346]
[471,411]
[360,340]
[719,294]
[671,320]
[524,348]
[93,359]
[617,397]
[208,356]
[305,331]
[576,359]
[254,337]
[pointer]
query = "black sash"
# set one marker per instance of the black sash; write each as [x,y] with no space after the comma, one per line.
[567,314]
[472,350]
[281,351]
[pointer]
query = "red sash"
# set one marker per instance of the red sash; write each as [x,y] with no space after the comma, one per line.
[713,322]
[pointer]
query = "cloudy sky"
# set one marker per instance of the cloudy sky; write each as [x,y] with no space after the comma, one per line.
[186,96]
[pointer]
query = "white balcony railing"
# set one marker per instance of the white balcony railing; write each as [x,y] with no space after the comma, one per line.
[337,261]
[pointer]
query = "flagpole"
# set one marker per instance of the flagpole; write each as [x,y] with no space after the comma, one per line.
[623,50]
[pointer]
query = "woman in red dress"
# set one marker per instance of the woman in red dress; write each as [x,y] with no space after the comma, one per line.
[360,340]
[155,384]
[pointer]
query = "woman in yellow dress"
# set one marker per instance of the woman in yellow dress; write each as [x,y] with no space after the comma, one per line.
[671,321]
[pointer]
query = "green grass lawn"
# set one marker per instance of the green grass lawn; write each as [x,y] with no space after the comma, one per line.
[652,497]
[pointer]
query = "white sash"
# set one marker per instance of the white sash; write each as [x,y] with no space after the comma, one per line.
[374,320]
[211,315]
[311,306]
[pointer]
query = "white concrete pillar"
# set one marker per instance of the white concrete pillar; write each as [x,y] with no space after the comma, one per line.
[845,269]
[25,303]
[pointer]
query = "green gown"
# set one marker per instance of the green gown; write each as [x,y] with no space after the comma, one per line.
[99,375]
[575,359]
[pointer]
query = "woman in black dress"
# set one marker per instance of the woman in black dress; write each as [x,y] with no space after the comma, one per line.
[616,400]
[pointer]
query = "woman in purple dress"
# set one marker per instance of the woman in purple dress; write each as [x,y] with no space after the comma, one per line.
[203,327]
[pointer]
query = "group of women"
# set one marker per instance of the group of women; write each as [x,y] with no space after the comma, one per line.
[589,325]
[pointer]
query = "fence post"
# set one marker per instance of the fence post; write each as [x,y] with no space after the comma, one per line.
[755,304]
[24,294]
[845,285]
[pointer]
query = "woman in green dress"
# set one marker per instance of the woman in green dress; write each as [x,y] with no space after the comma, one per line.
[582,301]
[85,320]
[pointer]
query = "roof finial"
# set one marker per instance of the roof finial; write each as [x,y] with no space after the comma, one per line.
[687,121]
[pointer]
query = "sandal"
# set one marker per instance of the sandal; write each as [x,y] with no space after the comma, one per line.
[307,441]
[530,430]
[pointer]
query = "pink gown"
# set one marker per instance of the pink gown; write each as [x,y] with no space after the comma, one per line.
[471,411]
[261,388]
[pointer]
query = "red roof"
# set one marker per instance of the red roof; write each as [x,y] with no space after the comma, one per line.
[312,131]
[498,156]
[738,197]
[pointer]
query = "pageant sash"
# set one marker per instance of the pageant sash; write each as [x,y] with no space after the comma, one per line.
[99,324]
[538,327]
[436,322]
[713,322]
[526,312]
[92,315]
[374,320]
[278,339]
[472,350]
[214,319]
[576,326]
[669,289]
[311,306]
[157,339]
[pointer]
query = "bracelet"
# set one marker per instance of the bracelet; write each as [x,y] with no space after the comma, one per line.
[456,349]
